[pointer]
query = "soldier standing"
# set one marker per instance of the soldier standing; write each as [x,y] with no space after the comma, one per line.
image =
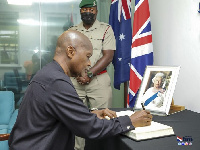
[95,88]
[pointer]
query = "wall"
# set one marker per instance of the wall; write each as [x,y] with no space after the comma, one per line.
[117,95]
[176,40]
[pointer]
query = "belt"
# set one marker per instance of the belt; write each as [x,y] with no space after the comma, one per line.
[104,71]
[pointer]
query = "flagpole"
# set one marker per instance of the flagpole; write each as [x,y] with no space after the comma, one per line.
[125,93]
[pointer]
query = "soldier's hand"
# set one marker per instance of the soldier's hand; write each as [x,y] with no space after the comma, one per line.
[80,80]
[83,80]
[141,118]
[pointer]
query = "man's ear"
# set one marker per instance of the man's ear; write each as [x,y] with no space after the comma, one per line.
[70,51]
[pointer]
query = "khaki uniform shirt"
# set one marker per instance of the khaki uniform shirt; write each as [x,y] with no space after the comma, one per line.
[101,36]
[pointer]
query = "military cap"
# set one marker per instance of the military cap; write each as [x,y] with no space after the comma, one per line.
[88,3]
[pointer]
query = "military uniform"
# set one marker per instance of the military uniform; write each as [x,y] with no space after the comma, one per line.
[99,90]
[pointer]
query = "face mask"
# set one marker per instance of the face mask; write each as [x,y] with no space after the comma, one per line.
[87,18]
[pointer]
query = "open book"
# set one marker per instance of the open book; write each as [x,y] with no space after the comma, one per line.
[155,130]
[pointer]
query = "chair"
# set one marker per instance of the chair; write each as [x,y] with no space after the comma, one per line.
[8,115]
[15,82]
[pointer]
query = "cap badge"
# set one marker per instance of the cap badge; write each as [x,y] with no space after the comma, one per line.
[94,4]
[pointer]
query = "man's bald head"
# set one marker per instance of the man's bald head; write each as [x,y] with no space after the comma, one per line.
[74,39]
[73,51]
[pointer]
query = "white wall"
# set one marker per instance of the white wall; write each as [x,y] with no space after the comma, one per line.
[176,40]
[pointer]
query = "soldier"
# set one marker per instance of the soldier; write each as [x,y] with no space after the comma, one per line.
[95,88]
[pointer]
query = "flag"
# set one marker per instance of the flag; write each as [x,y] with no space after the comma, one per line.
[69,22]
[179,139]
[120,20]
[142,48]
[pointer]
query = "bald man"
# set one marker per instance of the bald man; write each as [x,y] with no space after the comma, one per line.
[51,112]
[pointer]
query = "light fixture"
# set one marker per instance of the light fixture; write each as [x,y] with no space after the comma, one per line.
[53,1]
[29,2]
[31,22]
[36,50]
[19,2]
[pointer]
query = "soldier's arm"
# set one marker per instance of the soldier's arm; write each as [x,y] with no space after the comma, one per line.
[103,62]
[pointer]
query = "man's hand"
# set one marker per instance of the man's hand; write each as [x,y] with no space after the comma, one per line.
[141,118]
[84,80]
[101,114]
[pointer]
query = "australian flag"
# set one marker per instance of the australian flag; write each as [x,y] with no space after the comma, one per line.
[120,20]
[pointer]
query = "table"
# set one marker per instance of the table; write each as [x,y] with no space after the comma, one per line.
[185,124]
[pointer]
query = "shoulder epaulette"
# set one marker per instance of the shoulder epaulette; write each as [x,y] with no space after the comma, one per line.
[103,23]
[72,26]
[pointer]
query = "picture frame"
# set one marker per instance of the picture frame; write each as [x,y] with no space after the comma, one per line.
[157,88]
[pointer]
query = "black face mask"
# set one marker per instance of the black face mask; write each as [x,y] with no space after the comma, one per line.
[87,18]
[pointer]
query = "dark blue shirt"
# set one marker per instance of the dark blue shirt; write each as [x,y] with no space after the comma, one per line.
[51,113]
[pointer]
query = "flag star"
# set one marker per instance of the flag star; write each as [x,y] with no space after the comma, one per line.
[120,59]
[121,37]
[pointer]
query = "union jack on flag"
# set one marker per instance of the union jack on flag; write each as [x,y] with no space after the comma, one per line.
[179,139]
[142,48]
[120,20]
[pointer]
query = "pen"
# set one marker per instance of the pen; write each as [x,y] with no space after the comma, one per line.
[142,106]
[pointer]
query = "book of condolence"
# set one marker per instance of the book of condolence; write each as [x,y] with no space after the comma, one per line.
[155,130]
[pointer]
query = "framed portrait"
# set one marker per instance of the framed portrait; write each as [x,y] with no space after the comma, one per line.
[157,89]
